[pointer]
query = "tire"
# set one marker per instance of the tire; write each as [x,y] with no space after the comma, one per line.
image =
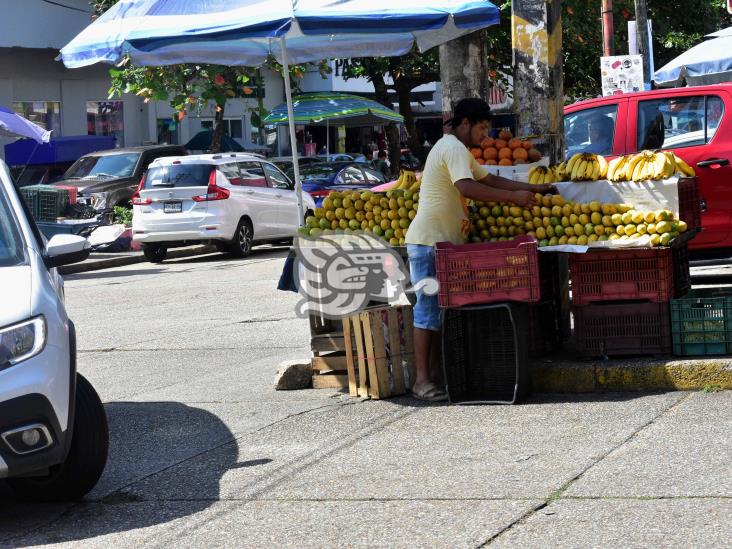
[87,456]
[241,245]
[155,253]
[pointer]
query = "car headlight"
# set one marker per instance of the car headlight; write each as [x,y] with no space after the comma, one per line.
[98,201]
[22,341]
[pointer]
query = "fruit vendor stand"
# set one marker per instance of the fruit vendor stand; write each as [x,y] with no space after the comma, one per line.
[612,245]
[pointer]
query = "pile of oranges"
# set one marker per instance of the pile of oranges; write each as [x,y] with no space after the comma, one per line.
[505,151]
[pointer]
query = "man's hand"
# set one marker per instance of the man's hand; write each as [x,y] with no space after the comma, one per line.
[546,188]
[525,199]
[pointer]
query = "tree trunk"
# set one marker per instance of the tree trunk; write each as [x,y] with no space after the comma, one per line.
[218,130]
[260,106]
[381,92]
[404,94]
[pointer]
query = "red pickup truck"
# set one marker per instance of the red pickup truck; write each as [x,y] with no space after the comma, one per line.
[695,123]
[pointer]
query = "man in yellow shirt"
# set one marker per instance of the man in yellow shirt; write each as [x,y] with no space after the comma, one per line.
[451,175]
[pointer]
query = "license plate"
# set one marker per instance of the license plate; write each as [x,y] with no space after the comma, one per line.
[172,207]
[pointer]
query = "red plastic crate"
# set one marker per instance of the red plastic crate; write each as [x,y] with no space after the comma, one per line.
[489,272]
[622,329]
[614,275]
[72,192]
[689,204]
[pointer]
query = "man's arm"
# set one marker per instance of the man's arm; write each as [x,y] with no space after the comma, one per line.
[474,190]
[511,185]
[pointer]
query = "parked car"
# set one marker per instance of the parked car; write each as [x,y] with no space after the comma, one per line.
[695,123]
[231,200]
[106,179]
[53,428]
[285,163]
[343,157]
[320,179]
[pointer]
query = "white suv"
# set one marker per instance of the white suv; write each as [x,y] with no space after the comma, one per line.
[53,428]
[232,200]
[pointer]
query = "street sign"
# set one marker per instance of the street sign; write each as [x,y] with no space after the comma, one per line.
[621,74]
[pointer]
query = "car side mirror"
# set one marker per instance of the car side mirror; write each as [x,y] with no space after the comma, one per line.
[65,249]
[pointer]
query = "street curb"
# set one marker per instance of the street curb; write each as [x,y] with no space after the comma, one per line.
[633,375]
[111,262]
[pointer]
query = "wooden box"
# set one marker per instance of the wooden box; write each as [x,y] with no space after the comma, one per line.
[379,352]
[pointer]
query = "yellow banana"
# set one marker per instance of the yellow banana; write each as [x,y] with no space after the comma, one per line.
[614,167]
[603,166]
[590,170]
[573,162]
[684,167]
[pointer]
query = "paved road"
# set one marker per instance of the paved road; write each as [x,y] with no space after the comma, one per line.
[204,453]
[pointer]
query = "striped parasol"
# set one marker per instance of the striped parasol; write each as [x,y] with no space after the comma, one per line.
[321,109]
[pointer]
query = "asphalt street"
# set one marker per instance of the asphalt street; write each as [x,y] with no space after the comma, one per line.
[204,452]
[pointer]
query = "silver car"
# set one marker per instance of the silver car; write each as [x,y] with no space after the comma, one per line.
[53,428]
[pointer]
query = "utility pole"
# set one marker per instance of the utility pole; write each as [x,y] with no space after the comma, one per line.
[608,29]
[538,79]
[463,71]
[644,40]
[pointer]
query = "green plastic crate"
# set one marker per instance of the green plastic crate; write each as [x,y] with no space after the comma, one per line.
[46,203]
[701,322]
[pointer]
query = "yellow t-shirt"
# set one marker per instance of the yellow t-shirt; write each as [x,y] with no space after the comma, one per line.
[443,214]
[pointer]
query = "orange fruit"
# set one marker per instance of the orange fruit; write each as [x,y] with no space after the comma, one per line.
[491,163]
[505,153]
[519,162]
[477,153]
[520,153]
[514,143]
[527,145]
[480,161]
[501,143]
[505,162]
[505,135]
[490,153]
[487,142]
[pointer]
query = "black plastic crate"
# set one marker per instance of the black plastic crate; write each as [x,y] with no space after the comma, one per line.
[622,329]
[553,272]
[544,328]
[485,355]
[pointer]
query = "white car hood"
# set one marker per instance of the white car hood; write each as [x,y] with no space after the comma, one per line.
[16,287]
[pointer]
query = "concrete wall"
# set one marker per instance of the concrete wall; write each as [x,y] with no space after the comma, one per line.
[36,24]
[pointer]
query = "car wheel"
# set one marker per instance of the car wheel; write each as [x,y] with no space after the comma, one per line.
[87,456]
[155,253]
[241,245]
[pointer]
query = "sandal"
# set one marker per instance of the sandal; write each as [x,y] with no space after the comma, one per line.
[431,394]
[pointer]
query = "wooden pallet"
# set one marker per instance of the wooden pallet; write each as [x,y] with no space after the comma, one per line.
[379,352]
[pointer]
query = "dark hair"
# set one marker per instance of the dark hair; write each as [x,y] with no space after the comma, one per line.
[474,109]
[382,154]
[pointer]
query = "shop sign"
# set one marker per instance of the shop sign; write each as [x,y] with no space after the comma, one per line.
[621,74]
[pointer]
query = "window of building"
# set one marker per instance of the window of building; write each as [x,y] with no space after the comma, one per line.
[232,127]
[167,130]
[678,121]
[46,114]
[106,118]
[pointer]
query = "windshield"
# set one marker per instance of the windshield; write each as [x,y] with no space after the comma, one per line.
[111,165]
[178,175]
[322,170]
[11,247]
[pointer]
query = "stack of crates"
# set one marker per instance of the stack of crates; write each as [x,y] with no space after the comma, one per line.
[621,299]
[501,304]
[46,203]
[701,322]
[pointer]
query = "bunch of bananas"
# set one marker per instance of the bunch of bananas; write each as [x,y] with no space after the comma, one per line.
[539,175]
[647,166]
[587,167]
[407,180]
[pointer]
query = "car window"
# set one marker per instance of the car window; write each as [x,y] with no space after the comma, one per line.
[590,130]
[11,246]
[374,178]
[350,176]
[178,175]
[111,165]
[231,171]
[277,180]
[674,122]
[252,174]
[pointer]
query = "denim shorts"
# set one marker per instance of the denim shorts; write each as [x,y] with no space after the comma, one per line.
[421,266]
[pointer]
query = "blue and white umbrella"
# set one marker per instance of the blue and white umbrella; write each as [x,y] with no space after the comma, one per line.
[246,32]
[14,125]
[707,63]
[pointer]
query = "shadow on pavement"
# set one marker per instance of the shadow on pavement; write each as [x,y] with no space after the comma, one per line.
[145,438]
[265,252]
[95,275]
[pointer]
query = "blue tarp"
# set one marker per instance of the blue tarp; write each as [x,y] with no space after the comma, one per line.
[59,149]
